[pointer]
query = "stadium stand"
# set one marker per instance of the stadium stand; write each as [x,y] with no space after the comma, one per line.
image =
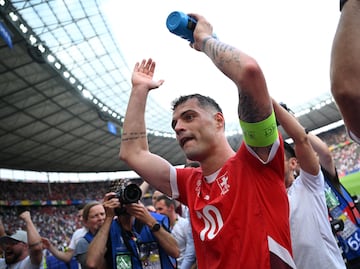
[53,205]
[345,152]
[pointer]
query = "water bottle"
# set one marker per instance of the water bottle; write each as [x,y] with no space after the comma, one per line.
[181,25]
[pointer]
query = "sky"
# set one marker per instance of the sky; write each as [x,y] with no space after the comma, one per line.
[291,40]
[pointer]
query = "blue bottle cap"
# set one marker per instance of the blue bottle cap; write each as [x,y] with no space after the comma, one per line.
[181,24]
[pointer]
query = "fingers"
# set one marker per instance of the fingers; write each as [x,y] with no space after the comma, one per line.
[196,16]
[110,201]
[109,195]
[137,210]
[45,241]
[146,66]
[143,73]
[25,215]
[142,65]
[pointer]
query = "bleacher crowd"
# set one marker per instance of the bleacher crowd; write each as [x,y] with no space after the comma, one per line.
[53,206]
[345,152]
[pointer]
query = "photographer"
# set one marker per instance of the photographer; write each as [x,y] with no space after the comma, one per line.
[131,236]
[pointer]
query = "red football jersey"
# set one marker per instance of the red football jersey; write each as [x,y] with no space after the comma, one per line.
[241,219]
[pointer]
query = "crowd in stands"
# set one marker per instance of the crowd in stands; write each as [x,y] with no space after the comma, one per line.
[12,191]
[347,159]
[59,222]
[345,152]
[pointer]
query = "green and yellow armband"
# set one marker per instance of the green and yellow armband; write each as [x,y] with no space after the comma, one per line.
[260,134]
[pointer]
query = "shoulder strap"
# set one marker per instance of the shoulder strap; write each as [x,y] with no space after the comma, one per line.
[89,237]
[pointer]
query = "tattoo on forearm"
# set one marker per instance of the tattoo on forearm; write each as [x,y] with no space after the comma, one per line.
[204,42]
[216,52]
[132,136]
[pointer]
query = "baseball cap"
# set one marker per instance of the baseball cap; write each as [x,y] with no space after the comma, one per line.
[19,235]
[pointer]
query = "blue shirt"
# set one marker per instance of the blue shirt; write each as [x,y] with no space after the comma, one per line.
[138,249]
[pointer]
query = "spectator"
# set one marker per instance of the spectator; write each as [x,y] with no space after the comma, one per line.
[93,217]
[224,195]
[23,249]
[156,194]
[51,262]
[180,228]
[341,206]
[181,209]
[313,243]
[132,236]
[345,66]
[66,256]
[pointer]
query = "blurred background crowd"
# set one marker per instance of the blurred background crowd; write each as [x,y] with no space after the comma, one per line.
[54,206]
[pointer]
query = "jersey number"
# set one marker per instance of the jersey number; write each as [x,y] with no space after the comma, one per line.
[213,222]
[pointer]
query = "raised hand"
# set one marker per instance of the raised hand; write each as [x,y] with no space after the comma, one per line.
[143,74]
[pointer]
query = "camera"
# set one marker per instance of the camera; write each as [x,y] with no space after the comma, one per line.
[128,192]
[181,24]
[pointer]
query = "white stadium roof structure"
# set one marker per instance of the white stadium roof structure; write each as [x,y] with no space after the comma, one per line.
[64,87]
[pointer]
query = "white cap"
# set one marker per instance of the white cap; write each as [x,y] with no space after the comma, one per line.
[19,235]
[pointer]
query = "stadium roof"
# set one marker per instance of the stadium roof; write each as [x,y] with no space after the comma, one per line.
[64,89]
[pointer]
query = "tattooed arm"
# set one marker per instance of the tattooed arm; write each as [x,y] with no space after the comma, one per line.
[134,149]
[254,100]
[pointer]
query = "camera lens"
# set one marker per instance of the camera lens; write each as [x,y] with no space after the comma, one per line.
[132,193]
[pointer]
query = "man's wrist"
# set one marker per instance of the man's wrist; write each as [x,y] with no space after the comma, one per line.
[34,244]
[155,227]
[205,40]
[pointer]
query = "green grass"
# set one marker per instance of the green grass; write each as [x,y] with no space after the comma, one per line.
[352,183]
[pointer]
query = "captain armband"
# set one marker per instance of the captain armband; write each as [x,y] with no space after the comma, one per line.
[260,134]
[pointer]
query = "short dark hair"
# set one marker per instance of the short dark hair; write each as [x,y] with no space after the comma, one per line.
[289,151]
[204,101]
[168,201]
